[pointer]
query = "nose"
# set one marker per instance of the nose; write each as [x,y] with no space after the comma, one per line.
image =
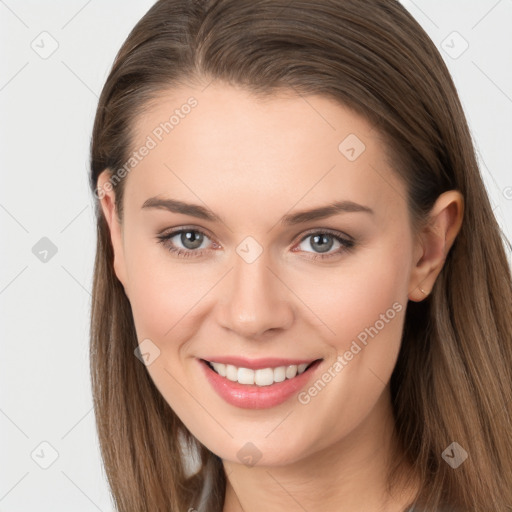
[254,299]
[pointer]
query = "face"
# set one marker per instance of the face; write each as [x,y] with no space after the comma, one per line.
[249,280]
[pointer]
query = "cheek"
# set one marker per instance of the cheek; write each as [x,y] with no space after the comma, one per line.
[362,303]
[344,302]
[166,299]
[162,290]
[358,293]
[354,309]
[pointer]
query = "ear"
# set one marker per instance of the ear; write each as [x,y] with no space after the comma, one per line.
[433,243]
[106,194]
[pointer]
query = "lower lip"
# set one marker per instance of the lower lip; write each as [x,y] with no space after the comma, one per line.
[248,396]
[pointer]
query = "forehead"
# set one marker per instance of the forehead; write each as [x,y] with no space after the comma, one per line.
[223,117]
[223,140]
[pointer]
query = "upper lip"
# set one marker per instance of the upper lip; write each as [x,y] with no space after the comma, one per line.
[257,364]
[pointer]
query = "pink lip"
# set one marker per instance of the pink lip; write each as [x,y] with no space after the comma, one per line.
[257,397]
[257,364]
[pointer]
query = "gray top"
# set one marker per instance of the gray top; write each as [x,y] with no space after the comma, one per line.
[208,486]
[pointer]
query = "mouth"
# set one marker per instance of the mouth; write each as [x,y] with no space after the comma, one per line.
[260,377]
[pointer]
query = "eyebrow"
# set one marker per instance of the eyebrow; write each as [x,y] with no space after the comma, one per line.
[201,212]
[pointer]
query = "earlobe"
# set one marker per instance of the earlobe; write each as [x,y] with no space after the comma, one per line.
[106,196]
[434,242]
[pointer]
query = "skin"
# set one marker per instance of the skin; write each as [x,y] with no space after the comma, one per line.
[251,161]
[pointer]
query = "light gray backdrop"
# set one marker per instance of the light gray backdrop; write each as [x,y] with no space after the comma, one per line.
[54,60]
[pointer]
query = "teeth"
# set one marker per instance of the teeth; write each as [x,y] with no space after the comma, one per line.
[291,371]
[231,372]
[220,368]
[280,374]
[261,377]
[245,376]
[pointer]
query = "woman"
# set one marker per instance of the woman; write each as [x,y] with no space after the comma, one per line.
[299,278]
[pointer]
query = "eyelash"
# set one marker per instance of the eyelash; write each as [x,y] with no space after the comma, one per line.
[164,238]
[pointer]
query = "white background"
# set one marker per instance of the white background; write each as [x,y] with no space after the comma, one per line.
[47,108]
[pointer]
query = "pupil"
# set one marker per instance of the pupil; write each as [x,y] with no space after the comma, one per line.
[191,239]
[323,242]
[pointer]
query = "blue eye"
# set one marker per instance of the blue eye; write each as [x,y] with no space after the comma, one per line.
[190,239]
[323,241]
[194,243]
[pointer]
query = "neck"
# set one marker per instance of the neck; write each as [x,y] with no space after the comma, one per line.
[348,476]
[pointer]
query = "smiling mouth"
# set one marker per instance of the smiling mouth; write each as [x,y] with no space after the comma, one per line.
[260,377]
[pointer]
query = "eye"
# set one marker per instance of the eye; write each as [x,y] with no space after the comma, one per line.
[323,241]
[189,242]
[185,242]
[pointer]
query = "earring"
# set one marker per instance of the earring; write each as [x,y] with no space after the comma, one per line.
[423,291]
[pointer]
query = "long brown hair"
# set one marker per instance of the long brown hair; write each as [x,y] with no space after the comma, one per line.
[453,378]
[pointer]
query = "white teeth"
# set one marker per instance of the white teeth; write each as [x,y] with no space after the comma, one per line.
[264,377]
[302,367]
[291,371]
[245,376]
[231,372]
[280,374]
[261,377]
[220,368]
